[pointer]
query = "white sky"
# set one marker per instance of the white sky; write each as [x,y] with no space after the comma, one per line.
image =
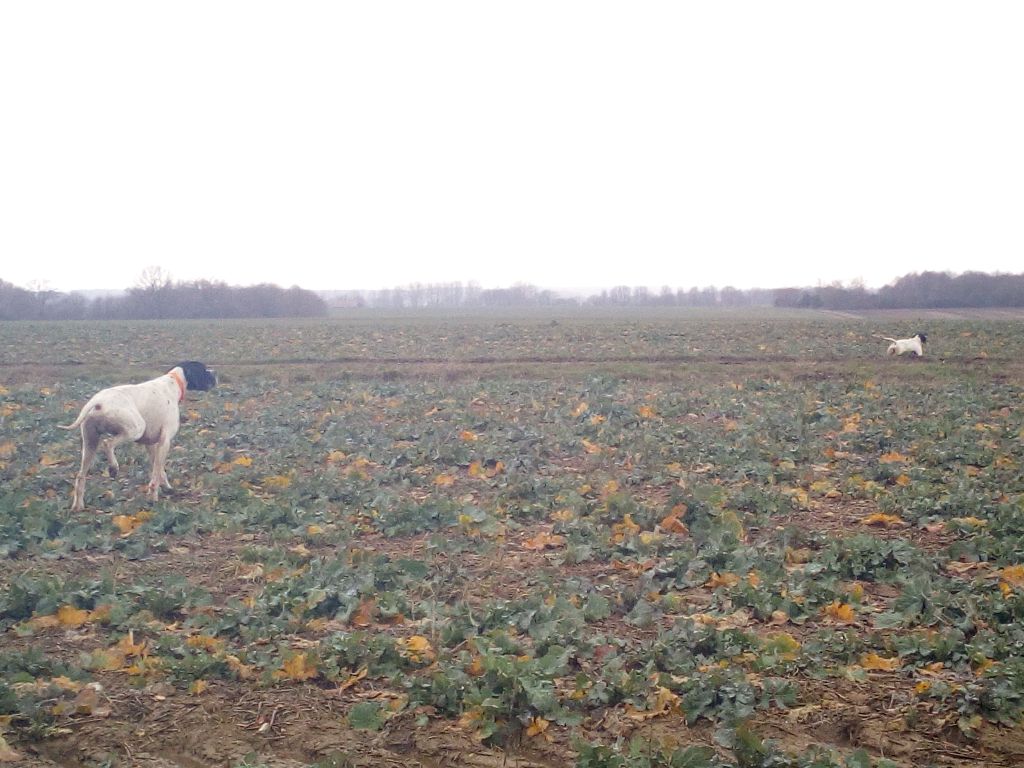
[340,145]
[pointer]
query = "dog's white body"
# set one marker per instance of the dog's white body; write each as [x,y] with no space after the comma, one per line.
[914,344]
[145,413]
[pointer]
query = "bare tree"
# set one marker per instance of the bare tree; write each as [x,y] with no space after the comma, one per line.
[153,278]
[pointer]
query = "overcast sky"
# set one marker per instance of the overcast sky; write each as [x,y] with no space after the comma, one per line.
[345,145]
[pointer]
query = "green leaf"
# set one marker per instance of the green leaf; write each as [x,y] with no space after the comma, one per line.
[597,607]
[366,716]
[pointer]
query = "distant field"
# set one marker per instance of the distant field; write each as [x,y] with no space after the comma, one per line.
[584,336]
[628,540]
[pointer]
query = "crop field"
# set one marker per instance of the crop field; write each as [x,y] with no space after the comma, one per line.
[625,540]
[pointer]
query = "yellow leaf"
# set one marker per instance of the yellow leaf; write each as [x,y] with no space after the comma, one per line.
[417,648]
[87,702]
[660,702]
[128,647]
[672,524]
[363,615]
[205,643]
[444,480]
[537,726]
[822,487]
[353,679]
[126,524]
[563,515]
[800,496]
[66,683]
[276,482]
[893,457]
[839,611]
[476,469]
[242,461]
[902,480]
[590,447]
[109,660]
[471,718]
[646,412]
[198,686]
[69,616]
[722,580]
[298,667]
[580,409]
[875,662]
[970,522]
[884,521]
[625,529]
[1013,575]
[244,671]
[249,571]
[7,449]
[468,436]
[983,664]
[797,556]
[783,644]
[544,540]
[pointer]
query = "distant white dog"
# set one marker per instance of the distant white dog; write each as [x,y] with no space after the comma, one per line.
[144,413]
[914,344]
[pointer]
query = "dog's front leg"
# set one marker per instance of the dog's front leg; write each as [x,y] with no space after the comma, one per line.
[156,461]
[158,476]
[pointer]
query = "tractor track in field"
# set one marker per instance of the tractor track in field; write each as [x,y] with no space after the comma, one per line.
[530,360]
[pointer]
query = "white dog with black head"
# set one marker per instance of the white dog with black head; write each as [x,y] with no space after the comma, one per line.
[145,413]
[915,344]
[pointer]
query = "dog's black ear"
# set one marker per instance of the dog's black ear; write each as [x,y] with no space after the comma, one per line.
[198,376]
[924,339]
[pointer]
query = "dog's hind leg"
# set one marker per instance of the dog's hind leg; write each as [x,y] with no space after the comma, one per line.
[90,441]
[108,446]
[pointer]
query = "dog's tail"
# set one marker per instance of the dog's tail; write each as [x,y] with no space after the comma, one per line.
[884,337]
[81,417]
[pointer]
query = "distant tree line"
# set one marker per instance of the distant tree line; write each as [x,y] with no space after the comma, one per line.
[453,295]
[914,291]
[469,295]
[940,290]
[158,298]
[155,296]
[625,296]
